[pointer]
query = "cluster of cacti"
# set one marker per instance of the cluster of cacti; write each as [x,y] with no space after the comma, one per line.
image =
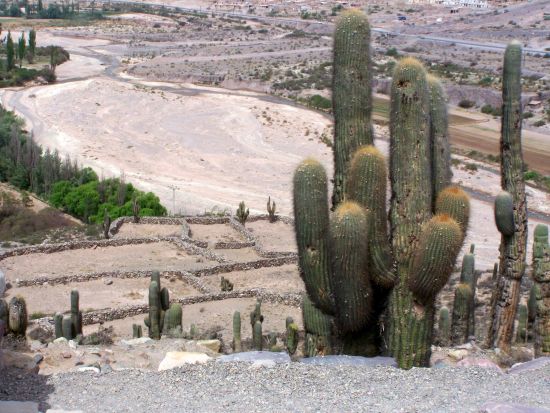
[256,320]
[135,209]
[137,331]
[163,317]
[271,210]
[463,320]
[14,316]
[242,213]
[226,285]
[541,291]
[69,325]
[510,206]
[354,267]
[106,225]
[291,336]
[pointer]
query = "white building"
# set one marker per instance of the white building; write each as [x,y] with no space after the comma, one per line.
[473,4]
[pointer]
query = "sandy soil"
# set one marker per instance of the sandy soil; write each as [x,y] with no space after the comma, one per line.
[95,295]
[161,255]
[283,279]
[215,233]
[239,255]
[276,236]
[148,230]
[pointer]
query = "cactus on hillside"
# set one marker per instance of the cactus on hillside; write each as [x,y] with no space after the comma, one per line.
[242,213]
[159,303]
[354,265]
[510,208]
[237,347]
[271,208]
[226,285]
[541,291]
[137,331]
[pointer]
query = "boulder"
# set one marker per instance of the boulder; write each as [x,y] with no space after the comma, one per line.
[213,345]
[136,341]
[174,359]
[535,364]
[472,361]
[458,354]
[18,407]
[350,361]
[19,360]
[254,356]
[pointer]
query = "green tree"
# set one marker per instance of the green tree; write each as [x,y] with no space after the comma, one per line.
[32,45]
[10,53]
[40,6]
[21,47]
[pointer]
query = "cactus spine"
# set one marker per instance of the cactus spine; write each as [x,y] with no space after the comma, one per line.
[340,257]
[237,347]
[513,244]
[541,291]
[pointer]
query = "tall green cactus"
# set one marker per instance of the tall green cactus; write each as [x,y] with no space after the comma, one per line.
[514,233]
[159,303]
[237,347]
[257,336]
[444,327]
[355,267]
[58,323]
[352,95]
[541,291]
[76,314]
[468,276]
[521,333]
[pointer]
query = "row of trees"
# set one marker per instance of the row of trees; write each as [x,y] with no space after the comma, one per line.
[21,51]
[36,10]
[75,190]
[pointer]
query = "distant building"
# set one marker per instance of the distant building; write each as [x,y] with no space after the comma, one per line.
[473,4]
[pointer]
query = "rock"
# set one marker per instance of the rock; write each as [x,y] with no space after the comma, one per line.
[37,345]
[350,361]
[458,354]
[213,345]
[175,359]
[40,333]
[107,281]
[73,344]
[89,368]
[495,407]
[136,341]
[38,358]
[471,361]
[63,411]
[66,355]
[253,356]
[18,407]
[106,368]
[522,354]
[258,364]
[529,365]
[60,340]
[19,360]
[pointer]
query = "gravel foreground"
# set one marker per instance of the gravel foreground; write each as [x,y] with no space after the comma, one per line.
[294,387]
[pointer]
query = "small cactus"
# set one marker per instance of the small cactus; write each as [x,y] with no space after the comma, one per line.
[271,342]
[444,327]
[135,208]
[67,327]
[521,334]
[172,318]
[154,311]
[137,332]
[17,318]
[271,207]
[226,285]
[256,315]
[461,314]
[58,322]
[237,347]
[257,337]
[76,315]
[193,332]
[291,338]
[242,213]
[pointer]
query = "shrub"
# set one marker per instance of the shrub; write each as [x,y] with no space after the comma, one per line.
[392,51]
[466,104]
[320,102]
[528,115]
[539,123]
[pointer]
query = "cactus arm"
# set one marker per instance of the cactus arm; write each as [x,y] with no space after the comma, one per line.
[352,95]
[311,214]
[461,314]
